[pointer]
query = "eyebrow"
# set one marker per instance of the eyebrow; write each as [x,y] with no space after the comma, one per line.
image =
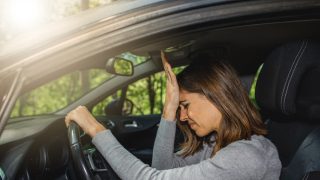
[183,102]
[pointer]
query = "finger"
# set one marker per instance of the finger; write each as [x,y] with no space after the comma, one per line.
[166,65]
[171,74]
[164,61]
[163,58]
[85,108]
[169,69]
[67,120]
[69,117]
[168,74]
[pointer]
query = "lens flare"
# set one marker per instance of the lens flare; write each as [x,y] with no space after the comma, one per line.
[24,14]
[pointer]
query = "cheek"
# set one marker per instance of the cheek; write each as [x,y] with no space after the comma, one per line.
[206,116]
[212,118]
[216,120]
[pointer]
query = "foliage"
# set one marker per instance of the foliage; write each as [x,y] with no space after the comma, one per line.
[147,95]
[123,67]
[58,93]
[252,93]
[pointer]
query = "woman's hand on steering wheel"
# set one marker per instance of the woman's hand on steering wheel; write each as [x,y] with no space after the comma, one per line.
[85,120]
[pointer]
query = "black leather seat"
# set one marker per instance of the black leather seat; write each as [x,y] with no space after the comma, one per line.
[288,93]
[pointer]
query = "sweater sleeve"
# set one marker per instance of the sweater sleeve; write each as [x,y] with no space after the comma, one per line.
[163,151]
[233,162]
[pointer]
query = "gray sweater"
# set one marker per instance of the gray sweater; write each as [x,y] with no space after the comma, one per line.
[241,160]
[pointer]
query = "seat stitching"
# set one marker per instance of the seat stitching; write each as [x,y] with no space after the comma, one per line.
[305,177]
[283,90]
[285,96]
[285,84]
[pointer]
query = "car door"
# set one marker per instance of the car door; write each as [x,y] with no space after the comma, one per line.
[133,114]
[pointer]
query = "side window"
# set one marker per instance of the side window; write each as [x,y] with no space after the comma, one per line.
[143,97]
[58,93]
[147,95]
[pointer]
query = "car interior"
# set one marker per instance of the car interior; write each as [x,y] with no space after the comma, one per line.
[287,95]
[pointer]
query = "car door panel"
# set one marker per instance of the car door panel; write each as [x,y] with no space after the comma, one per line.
[135,133]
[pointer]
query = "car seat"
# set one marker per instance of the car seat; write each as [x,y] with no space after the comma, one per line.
[288,94]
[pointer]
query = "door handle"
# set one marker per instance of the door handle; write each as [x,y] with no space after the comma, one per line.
[133,124]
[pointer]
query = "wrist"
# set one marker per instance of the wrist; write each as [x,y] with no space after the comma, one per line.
[169,116]
[96,129]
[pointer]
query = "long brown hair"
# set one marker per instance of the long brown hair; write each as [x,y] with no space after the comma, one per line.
[219,83]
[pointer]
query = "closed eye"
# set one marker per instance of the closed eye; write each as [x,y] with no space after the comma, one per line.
[184,105]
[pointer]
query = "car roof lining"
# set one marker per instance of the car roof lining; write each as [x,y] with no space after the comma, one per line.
[247,44]
[263,37]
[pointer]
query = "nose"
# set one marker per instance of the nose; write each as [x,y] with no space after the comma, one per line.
[183,114]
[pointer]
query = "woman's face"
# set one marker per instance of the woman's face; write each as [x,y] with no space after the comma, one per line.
[202,116]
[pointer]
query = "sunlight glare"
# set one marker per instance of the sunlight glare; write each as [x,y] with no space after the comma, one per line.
[24,13]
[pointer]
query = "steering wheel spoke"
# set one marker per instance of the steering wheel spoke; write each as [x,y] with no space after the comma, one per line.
[92,158]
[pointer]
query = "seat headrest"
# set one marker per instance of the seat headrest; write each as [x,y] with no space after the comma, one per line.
[289,82]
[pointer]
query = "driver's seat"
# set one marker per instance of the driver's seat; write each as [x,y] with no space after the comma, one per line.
[288,93]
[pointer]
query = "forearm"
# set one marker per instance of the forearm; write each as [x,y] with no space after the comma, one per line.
[128,166]
[235,162]
[163,151]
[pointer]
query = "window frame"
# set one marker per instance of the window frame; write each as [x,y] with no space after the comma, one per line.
[12,94]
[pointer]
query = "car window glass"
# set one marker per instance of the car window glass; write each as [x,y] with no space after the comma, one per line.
[59,93]
[99,109]
[147,95]
[144,97]
[144,94]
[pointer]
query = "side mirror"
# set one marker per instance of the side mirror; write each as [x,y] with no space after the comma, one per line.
[119,66]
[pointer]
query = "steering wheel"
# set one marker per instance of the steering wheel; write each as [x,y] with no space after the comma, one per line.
[78,158]
[83,170]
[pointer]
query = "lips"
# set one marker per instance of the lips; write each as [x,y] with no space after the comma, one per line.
[192,125]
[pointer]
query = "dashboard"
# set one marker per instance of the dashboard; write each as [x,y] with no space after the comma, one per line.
[46,159]
[39,150]
[38,147]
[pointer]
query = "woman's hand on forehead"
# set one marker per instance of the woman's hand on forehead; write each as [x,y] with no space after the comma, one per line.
[172,91]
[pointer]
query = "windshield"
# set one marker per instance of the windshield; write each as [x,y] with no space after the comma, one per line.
[63,91]
[59,93]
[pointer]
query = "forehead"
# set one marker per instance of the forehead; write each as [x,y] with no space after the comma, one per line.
[188,96]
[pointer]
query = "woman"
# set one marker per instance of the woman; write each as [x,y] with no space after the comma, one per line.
[223,131]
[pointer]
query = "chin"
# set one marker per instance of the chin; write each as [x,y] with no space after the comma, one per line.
[201,133]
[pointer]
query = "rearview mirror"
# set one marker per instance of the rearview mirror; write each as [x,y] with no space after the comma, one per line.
[119,66]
